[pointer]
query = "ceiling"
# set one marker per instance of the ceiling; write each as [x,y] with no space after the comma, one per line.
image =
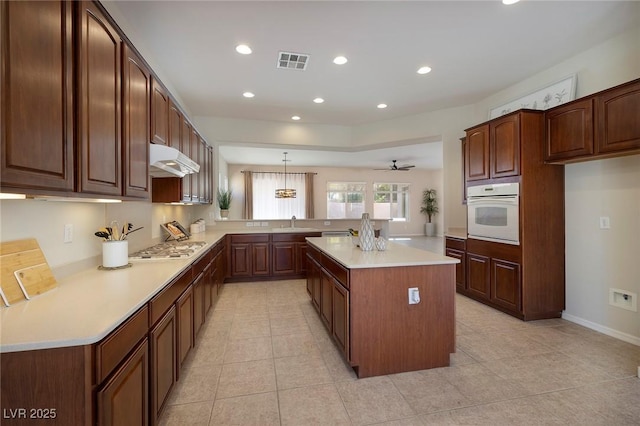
[475,48]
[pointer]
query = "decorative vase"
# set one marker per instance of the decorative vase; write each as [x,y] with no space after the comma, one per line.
[224,213]
[366,234]
[430,229]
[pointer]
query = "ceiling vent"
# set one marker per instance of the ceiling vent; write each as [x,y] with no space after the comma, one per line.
[293,61]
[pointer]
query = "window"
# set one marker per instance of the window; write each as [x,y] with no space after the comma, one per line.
[265,203]
[345,200]
[391,201]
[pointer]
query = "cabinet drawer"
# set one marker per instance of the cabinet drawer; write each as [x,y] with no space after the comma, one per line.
[163,300]
[313,253]
[338,271]
[456,243]
[115,347]
[293,237]
[201,263]
[250,238]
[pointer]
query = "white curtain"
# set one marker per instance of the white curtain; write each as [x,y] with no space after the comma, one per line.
[265,203]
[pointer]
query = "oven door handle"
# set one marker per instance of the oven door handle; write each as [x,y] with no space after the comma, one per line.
[507,201]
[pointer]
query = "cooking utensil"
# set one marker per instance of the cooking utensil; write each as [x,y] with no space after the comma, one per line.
[115,229]
[124,236]
[104,235]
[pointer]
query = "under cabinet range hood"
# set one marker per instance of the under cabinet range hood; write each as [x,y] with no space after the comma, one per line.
[167,161]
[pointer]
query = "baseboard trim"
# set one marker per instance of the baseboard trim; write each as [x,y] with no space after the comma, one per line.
[602,329]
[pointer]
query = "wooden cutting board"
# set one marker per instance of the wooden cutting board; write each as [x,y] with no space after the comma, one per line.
[25,271]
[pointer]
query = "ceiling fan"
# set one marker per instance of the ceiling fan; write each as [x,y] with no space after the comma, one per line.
[395,168]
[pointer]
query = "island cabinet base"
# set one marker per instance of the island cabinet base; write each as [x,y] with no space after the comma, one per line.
[388,335]
[367,312]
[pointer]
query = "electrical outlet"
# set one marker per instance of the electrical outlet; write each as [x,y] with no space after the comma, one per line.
[605,223]
[327,223]
[68,233]
[414,295]
[249,224]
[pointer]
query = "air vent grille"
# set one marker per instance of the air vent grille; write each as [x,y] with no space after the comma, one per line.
[293,61]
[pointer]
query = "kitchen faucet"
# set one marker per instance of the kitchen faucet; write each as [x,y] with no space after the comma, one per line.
[293,221]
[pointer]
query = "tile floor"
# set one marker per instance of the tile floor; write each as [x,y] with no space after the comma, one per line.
[264,358]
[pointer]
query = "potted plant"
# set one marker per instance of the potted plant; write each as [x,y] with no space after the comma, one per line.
[224,202]
[429,208]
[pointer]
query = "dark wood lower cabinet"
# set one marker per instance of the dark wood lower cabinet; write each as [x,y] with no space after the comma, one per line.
[478,275]
[340,311]
[163,362]
[326,299]
[260,256]
[198,303]
[184,311]
[505,284]
[461,277]
[124,399]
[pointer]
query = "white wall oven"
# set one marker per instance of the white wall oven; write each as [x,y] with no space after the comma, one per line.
[493,212]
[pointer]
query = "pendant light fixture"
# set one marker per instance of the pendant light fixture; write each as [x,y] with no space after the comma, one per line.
[285,192]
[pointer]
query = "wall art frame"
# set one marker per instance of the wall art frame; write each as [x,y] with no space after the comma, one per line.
[547,97]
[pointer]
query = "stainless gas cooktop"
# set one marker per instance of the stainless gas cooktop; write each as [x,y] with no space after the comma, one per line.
[170,250]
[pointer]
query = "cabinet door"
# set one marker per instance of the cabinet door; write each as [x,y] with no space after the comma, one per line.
[569,131]
[198,303]
[208,285]
[194,153]
[301,255]
[340,311]
[204,169]
[163,361]
[159,113]
[185,148]
[260,259]
[124,399]
[326,300]
[460,267]
[184,311]
[477,153]
[478,274]
[99,101]
[505,146]
[464,168]
[505,284]
[240,260]
[136,85]
[618,119]
[37,153]
[284,258]
[175,126]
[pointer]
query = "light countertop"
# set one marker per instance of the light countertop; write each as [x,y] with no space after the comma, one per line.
[346,253]
[87,306]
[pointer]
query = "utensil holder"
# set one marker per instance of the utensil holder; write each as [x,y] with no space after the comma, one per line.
[115,253]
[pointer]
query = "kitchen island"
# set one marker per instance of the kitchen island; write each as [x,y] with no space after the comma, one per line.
[367,301]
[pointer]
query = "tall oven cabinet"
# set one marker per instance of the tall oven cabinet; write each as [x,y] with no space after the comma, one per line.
[525,280]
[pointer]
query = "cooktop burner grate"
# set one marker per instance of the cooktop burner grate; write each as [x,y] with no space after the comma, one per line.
[169,250]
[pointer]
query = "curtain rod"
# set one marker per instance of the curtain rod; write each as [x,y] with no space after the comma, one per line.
[289,173]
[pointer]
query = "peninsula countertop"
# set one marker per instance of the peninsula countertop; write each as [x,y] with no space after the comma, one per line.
[344,251]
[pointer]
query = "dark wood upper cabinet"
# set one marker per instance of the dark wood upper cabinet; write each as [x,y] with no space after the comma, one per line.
[159,113]
[477,153]
[504,136]
[136,86]
[618,119]
[569,129]
[175,126]
[603,125]
[185,148]
[492,150]
[99,103]
[37,81]
[195,156]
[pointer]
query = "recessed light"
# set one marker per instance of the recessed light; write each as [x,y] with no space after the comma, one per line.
[339,60]
[510,2]
[243,49]
[318,100]
[295,117]
[424,70]
[248,95]
[382,106]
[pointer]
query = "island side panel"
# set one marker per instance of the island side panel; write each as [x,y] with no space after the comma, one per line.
[390,336]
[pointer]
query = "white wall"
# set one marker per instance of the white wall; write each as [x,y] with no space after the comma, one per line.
[418,179]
